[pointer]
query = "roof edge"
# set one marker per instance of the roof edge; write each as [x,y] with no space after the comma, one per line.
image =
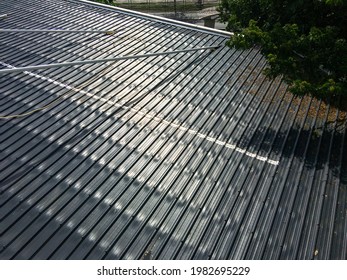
[161,19]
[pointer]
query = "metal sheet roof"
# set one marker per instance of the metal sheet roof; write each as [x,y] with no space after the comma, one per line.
[184,156]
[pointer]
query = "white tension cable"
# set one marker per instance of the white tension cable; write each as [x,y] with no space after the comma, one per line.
[102,60]
[109,32]
[157,119]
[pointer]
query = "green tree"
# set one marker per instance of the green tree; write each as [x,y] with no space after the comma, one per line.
[304,41]
[109,2]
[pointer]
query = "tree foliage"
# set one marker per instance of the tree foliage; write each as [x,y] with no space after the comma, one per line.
[109,2]
[305,41]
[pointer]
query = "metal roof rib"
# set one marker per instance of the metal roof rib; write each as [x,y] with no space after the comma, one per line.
[182,156]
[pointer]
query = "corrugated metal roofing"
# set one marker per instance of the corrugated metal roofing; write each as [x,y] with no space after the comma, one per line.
[185,156]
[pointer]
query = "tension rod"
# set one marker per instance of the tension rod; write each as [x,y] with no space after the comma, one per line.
[81,62]
[109,32]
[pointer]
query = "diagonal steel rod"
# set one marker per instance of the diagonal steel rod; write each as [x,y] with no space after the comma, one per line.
[81,62]
[57,31]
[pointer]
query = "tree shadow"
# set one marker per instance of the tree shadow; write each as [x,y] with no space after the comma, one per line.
[97,191]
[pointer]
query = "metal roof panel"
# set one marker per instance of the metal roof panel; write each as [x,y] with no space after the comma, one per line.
[184,156]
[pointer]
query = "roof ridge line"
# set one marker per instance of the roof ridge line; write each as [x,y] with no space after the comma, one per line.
[160,19]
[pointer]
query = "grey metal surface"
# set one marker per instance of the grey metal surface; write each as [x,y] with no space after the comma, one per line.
[187,156]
